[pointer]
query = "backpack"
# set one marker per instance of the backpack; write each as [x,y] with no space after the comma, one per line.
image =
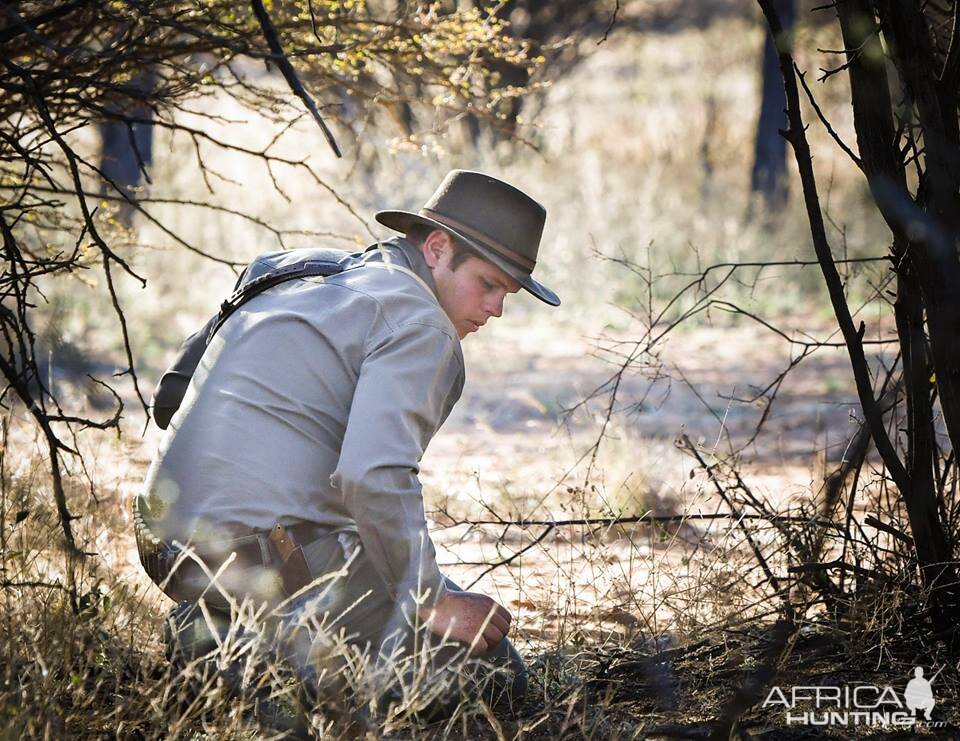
[264,272]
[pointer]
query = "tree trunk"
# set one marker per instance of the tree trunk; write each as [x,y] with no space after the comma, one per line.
[935,219]
[127,146]
[769,176]
[933,548]
[883,166]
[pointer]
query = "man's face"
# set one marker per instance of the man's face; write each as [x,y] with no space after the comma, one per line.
[472,292]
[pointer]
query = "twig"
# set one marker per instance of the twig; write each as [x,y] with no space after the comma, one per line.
[951,65]
[611,24]
[686,444]
[805,568]
[861,371]
[640,519]
[890,529]
[10,584]
[825,122]
[510,559]
[289,74]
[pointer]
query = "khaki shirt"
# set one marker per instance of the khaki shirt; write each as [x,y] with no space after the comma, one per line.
[315,402]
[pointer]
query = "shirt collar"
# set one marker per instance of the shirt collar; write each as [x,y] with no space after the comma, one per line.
[404,253]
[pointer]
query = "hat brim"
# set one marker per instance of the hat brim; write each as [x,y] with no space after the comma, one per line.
[402,221]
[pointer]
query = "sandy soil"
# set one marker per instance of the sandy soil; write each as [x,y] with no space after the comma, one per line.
[514,424]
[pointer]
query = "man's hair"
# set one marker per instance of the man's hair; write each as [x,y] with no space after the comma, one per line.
[418,233]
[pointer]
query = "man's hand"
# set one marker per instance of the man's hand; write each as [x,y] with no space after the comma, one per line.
[471,618]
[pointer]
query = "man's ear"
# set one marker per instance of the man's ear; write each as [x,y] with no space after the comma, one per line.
[435,246]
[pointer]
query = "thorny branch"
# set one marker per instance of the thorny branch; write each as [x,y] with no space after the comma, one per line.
[289,74]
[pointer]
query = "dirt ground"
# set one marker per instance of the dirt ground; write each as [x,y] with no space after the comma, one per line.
[515,402]
[514,428]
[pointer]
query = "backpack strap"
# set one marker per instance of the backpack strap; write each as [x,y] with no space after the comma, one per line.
[257,286]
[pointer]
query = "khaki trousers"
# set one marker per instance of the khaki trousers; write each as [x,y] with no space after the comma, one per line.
[346,626]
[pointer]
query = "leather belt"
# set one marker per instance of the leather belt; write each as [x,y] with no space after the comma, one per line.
[252,548]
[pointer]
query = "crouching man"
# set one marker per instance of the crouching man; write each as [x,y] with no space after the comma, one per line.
[289,475]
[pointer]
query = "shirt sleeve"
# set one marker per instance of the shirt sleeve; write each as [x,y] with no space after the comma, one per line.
[408,383]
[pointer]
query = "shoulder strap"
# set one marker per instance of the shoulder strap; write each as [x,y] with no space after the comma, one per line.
[268,280]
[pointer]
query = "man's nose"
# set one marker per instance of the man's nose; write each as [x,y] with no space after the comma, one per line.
[494,305]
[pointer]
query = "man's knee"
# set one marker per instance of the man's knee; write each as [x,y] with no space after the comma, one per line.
[507,684]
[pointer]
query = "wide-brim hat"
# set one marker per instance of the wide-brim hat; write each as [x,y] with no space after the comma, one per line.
[502,223]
